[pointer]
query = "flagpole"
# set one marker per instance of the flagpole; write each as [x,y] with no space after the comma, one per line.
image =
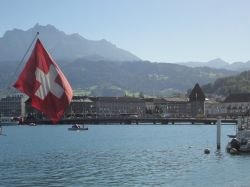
[18,66]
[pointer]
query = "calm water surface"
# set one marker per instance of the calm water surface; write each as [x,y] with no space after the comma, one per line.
[119,155]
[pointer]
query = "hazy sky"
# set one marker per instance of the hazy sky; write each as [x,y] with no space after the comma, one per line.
[155,30]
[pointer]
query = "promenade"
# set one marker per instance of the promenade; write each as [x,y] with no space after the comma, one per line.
[163,121]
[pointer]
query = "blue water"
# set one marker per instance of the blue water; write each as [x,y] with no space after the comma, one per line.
[119,155]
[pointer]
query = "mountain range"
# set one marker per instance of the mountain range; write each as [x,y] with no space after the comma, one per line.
[101,68]
[220,64]
[61,46]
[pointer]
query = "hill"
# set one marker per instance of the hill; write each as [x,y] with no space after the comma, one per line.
[109,78]
[233,84]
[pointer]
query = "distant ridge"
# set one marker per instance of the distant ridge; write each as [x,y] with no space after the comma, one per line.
[215,63]
[62,46]
[218,63]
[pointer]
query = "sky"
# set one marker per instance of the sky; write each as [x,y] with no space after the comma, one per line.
[154,30]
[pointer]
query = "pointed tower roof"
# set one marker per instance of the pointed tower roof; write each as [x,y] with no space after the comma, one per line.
[197,94]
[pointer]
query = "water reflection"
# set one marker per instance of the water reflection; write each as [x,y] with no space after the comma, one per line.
[117,156]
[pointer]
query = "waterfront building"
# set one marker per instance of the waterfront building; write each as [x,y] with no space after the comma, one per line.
[149,105]
[196,99]
[12,105]
[237,104]
[83,106]
[115,106]
[80,106]
[178,107]
[161,106]
[213,108]
[168,107]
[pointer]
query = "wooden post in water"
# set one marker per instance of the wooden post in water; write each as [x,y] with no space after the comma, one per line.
[238,125]
[218,132]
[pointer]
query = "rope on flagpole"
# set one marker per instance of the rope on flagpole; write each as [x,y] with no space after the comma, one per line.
[22,60]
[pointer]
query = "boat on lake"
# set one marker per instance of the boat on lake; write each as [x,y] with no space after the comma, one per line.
[77,127]
[31,124]
[240,142]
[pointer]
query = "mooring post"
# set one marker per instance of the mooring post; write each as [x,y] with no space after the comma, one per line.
[238,125]
[218,132]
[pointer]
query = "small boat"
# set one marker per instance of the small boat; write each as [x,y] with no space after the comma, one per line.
[231,135]
[240,143]
[77,127]
[31,124]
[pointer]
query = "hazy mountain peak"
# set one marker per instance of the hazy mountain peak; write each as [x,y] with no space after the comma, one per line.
[76,35]
[216,61]
[219,63]
[15,42]
[48,30]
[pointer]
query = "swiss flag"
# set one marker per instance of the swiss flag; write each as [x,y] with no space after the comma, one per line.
[43,81]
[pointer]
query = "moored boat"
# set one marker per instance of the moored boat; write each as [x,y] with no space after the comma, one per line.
[77,127]
[241,141]
[31,124]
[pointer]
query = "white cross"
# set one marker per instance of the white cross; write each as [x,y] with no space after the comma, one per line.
[48,83]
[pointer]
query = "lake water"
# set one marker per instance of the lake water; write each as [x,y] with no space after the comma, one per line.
[119,155]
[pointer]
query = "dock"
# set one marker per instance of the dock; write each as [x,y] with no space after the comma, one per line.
[142,121]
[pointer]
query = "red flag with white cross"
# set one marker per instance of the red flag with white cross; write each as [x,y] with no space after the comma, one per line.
[43,81]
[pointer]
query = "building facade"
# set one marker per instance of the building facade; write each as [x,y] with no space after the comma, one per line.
[82,106]
[237,105]
[12,105]
[168,107]
[115,106]
[213,108]
[178,107]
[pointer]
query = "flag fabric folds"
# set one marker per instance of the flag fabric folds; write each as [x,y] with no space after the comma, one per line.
[43,81]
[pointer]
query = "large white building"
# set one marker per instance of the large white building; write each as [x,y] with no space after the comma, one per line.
[237,104]
[214,108]
[12,105]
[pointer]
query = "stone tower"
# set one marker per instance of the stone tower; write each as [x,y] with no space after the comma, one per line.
[196,99]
